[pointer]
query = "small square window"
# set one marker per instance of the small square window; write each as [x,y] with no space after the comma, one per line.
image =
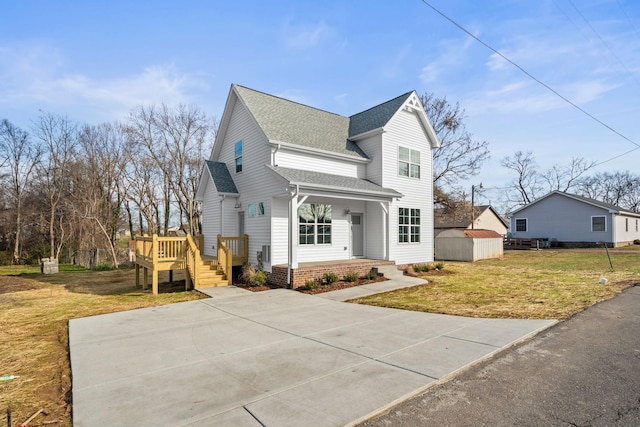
[521,224]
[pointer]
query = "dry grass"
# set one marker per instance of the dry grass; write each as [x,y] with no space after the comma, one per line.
[34,314]
[553,284]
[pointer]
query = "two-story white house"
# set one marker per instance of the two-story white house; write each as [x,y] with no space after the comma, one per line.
[314,189]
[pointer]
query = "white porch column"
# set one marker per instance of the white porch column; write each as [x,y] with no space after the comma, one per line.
[385,229]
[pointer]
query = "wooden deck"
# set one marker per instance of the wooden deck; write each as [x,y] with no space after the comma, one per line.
[156,253]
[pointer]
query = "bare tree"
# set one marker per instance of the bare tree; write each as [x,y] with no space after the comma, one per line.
[617,188]
[567,178]
[20,157]
[530,184]
[459,156]
[176,139]
[526,186]
[58,137]
[97,194]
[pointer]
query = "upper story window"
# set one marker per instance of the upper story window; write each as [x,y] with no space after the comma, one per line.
[598,223]
[408,162]
[521,224]
[238,156]
[314,221]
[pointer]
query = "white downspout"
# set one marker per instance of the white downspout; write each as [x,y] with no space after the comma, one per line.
[224,196]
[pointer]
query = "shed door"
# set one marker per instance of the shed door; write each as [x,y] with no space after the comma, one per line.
[357,235]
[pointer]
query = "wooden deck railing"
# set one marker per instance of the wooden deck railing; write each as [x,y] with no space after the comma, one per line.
[155,253]
[239,247]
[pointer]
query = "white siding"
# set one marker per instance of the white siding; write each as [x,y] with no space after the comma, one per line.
[488,221]
[210,217]
[626,235]
[372,146]
[255,183]
[406,130]
[297,160]
[279,231]
[375,231]
[340,232]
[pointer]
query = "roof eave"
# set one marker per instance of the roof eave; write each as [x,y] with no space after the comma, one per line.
[324,153]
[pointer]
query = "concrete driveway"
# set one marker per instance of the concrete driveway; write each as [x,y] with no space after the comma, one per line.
[275,358]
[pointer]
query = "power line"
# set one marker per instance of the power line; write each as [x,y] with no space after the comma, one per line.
[591,116]
[584,18]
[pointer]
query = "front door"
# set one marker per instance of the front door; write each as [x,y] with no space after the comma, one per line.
[357,235]
[240,223]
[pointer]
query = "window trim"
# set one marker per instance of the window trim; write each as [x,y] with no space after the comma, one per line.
[526,225]
[605,223]
[323,229]
[412,225]
[409,162]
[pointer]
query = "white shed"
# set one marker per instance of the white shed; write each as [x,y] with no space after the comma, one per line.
[468,245]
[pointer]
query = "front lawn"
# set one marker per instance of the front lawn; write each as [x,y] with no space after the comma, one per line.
[549,284]
[34,314]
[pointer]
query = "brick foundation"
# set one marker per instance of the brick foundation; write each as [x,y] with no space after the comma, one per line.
[300,275]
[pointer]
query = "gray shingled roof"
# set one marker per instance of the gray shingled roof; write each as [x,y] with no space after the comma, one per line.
[332,182]
[375,117]
[221,177]
[293,123]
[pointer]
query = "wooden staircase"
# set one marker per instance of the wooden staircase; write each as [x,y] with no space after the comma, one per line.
[154,254]
[210,274]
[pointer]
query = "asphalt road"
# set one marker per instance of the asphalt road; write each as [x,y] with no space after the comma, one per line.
[582,372]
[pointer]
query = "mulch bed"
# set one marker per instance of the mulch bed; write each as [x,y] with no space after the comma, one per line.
[322,288]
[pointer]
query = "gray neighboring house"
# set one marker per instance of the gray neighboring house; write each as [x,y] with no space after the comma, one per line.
[570,220]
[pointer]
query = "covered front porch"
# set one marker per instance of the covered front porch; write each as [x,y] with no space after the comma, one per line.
[316,269]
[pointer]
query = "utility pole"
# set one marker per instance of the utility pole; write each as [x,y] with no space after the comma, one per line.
[473,209]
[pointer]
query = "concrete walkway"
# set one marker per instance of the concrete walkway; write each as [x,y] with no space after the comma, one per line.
[275,358]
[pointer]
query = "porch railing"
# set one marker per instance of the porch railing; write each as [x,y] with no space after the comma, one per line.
[239,247]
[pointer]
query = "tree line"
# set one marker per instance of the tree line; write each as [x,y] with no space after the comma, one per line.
[69,187]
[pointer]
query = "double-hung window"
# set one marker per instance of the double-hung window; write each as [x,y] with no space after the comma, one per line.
[408,162]
[598,223]
[521,224]
[314,224]
[408,225]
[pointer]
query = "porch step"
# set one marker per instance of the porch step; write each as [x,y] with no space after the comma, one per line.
[390,271]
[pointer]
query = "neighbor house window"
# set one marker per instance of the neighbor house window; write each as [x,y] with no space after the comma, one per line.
[598,223]
[636,225]
[408,162]
[521,224]
[261,209]
[408,225]
[314,223]
[238,156]
[251,209]
[626,224]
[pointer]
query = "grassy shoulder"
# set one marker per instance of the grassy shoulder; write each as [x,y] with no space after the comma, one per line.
[34,314]
[550,284]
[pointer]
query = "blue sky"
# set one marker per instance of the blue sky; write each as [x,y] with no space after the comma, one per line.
[95,60]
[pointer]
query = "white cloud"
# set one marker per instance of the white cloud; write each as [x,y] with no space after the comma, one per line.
[453,54]
[35,77]
[305,36]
